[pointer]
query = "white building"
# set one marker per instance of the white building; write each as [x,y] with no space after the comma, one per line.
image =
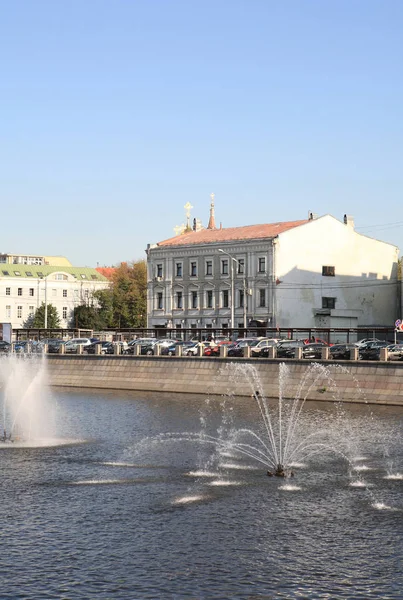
[312,273]
[24,286]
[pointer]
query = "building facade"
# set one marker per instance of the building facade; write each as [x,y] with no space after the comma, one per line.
[317,272]
[26,285]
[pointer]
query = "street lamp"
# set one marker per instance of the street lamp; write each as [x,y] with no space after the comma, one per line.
[234,260]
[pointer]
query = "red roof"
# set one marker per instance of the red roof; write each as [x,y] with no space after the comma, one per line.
[248,232]
[106,271]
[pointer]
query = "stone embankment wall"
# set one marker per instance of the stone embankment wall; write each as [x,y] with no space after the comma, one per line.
[373,382]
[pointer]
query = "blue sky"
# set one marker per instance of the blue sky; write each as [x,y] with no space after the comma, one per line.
[114,114]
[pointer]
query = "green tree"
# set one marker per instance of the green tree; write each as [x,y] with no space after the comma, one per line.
[124,303]
[89,317]
[38,319]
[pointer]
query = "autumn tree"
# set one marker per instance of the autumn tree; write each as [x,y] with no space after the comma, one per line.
[124,303]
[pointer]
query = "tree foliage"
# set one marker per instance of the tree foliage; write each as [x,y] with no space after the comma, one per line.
[37,320]
[122,304]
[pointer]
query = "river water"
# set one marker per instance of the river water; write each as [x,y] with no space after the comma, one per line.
[107,515]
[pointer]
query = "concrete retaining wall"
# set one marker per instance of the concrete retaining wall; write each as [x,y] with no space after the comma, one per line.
[377,383]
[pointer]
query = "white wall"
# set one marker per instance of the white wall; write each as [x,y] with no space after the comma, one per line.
[364,268]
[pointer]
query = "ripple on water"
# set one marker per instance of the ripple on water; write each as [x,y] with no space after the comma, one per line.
[189,499]
[224,482]
[288,487]
[201,474]
[395,476]
[237,466]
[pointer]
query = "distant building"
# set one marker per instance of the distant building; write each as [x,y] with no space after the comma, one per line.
[316,272]
[32,259]
[26,285]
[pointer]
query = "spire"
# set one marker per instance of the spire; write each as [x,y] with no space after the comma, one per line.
[211,223]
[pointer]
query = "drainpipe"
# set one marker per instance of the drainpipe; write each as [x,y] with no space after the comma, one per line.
[273,283]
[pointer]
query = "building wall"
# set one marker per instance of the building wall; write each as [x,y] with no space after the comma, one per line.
[364,285]
[21,296]
[163,279]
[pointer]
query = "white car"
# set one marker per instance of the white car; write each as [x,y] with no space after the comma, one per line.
[72,345]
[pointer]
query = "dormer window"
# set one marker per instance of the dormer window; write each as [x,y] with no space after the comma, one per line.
[328,271]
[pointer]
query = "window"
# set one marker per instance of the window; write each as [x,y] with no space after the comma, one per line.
[83,276]
[92,277]
[241,266]
[17,273]
[19,312]
[224,266]
[194,299]
[64,312]
[328,271]
[8,311]
[159,270]
[209,267]
[193,269]
[262,264]
[64,293]
[159,300]
[28,273]
[6,273]
[31,292]
[8,291]
[75,293]
[262,297]
[19,291]
[54,293]
[241,298]
[179,269]
[31,310]
[328,302]
[61,277]
[225,301]
[40,274]
[209,298]
[179,300]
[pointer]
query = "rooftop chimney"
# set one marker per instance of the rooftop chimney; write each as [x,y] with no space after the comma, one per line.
[349,221]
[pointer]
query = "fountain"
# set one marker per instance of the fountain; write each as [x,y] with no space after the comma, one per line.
[286,439]
[26,409]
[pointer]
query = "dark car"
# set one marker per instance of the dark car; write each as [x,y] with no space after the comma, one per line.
[171,350]
[4,346]
[372,351]
[237,349]
[341,351]
[313,350]
[54,345]
[106,348]
[286,349]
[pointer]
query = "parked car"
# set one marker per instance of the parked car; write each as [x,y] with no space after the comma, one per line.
[372,351]
[54,345]
[362,343]
[4,347]
[395,352]
[21,346]
[106,347]
[285,348]
[215,350]
[193,349]
[240,344]
[313,350]
[131,346]
[258,345]
[341,351]
[171,349]
[72,345]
